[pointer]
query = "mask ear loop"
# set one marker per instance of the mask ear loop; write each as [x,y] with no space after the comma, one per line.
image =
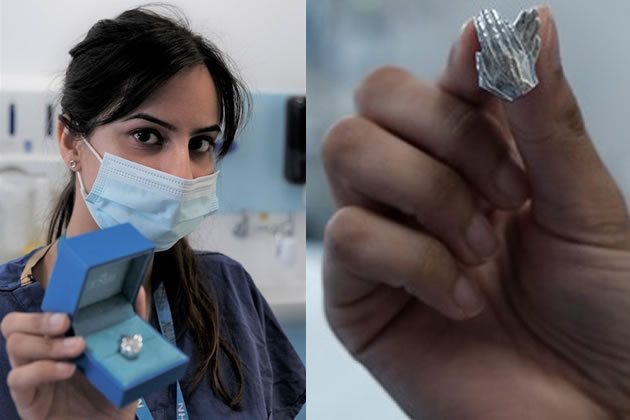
[87,143]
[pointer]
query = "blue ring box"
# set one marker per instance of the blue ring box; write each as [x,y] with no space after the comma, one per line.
[96,280]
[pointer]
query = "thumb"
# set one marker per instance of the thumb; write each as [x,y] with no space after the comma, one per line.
[141,306]
[573,193]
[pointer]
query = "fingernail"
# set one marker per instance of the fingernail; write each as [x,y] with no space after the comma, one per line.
[461,30]
[72,341]
[553,32]
[510,183]
[544,8]
[65,368]
[481,237]
[550,36]
[56,320]
[467,298]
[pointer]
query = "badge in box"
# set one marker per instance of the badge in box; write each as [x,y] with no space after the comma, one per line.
[95,281]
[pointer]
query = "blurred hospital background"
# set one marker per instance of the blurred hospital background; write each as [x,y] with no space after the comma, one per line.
[348,38]
[261,222]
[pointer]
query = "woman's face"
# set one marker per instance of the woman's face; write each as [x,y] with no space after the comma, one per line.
[173,131]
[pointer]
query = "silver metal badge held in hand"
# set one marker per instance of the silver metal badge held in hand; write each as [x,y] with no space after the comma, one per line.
[506,63]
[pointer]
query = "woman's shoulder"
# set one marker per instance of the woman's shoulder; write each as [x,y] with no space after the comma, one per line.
[16,295]
[218,260]
[230,281]
[11,272]
[227,274]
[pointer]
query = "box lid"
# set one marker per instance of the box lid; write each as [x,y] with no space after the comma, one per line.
[102,270]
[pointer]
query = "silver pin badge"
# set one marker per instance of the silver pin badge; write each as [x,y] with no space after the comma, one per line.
[506,64]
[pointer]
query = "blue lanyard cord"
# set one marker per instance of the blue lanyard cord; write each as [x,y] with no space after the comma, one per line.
[166,326]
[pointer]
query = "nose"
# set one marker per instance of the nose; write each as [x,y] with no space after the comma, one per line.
[177,162]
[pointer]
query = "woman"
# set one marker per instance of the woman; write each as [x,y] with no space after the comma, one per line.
[143,102]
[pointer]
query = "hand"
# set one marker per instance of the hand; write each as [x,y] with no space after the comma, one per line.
[479,264]
[42,381]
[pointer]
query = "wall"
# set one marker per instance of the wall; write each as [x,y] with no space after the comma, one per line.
[266,39]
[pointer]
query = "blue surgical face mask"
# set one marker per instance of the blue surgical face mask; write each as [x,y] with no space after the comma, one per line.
[163,207]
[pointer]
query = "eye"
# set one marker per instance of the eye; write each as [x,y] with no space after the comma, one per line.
[147,136]
[201,144]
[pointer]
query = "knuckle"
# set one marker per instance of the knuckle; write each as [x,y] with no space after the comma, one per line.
[462,120]
[374,84]
[557,75]
[446,185]
[12,379]
[422,263]
[15,344]
[430,264]
[566,123]
[572,117]
[16,379]
[448,205]
[55,348]
[431,256]
[343,233]
[341,141]
[6,322]
[532,135]
[44,321]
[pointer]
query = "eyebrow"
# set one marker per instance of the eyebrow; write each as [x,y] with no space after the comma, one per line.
[171,127]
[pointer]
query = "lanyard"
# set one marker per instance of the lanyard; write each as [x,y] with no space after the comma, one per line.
[166,326]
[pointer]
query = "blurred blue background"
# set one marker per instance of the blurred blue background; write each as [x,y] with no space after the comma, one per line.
[255,165]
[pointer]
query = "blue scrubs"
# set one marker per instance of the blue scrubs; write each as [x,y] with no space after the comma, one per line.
[275,378]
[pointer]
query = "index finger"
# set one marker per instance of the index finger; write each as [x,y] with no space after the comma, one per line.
[459,78]
[46,323]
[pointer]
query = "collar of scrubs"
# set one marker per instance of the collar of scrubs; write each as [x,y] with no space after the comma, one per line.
[27,274]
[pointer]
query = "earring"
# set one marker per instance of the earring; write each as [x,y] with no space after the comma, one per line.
[73,164]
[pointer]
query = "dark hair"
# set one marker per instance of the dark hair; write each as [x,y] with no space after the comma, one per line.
[113,70]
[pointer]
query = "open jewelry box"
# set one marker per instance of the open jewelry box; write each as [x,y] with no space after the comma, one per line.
[95,281]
